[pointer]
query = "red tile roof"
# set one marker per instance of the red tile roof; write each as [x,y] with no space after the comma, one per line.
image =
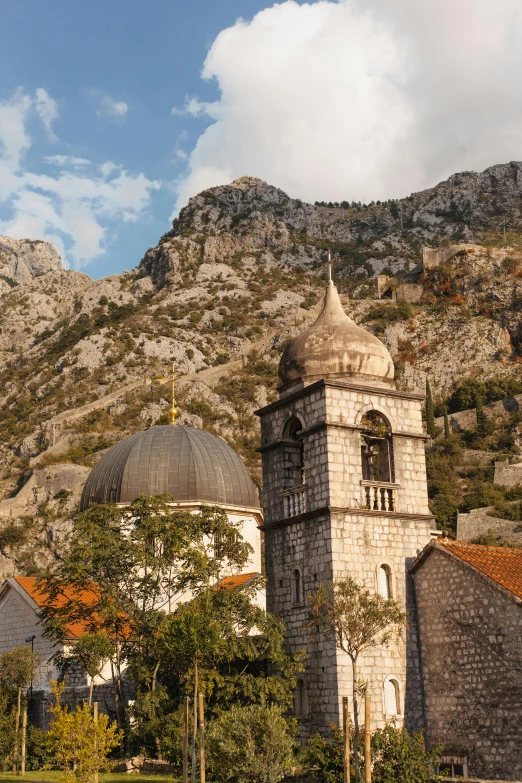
[87,597]
[503,565]
[238,580]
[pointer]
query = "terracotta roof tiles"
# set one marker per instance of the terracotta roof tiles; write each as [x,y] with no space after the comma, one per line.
[88,597]
[503,565]
[238,580]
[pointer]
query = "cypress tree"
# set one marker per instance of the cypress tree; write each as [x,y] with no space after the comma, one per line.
[483,427]
[430,412]
[447,430]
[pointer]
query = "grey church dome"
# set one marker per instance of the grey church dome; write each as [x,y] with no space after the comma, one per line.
[190,464]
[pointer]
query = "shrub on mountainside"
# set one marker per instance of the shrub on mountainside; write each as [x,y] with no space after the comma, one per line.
[494,389]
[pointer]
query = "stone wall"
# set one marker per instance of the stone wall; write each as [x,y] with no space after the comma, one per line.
[337,536]
[18,621]
[508,475]
[471,652]
[434,257]
[480,521]
[467,420]
[411,292]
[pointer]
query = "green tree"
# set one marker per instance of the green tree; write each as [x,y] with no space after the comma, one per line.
[358,620]
[398,755]
[430,412]
[484,425]
[18,668]
[79,745]
[126,569]
[223,645]
[91,652]
[251,745]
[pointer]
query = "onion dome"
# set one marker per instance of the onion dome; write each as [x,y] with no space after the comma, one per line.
[335,347]
[191,464]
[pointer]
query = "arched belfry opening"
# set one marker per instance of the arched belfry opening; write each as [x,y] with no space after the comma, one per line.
[377,448]
[294,479]
[293,466]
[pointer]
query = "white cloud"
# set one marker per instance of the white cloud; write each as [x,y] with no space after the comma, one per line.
[196,108]
[67,160]
[361,100]
[73,209]
[47,109]
[109,107]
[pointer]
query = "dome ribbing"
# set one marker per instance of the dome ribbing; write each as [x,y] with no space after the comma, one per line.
[191,464]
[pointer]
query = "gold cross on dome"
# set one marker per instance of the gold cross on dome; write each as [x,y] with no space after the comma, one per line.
[173,411]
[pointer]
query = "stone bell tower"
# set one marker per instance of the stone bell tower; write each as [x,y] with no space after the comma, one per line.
[345,493]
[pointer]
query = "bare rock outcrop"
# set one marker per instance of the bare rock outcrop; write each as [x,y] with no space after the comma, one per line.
[21,260]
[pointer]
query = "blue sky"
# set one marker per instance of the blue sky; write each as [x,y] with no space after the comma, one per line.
[148,55]
[114,112]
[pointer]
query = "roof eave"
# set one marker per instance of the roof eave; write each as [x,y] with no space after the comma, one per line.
[441,548]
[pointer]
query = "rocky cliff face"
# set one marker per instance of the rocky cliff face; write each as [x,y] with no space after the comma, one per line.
[21,260]
[241,271]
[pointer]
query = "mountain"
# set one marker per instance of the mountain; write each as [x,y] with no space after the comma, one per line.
[240,272]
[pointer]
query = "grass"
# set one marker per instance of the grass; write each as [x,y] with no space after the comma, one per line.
[53,776]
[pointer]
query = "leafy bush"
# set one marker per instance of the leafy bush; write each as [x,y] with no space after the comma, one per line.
[7,732]
[324,758]
[251,744]
[390,313]
[492,390]
[397,757]
[400,756]
[79,746]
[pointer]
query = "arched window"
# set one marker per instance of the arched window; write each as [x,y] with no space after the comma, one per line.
[377,448]
[297,586]
[384,581]
[391,697]
[301,698]
[293,462]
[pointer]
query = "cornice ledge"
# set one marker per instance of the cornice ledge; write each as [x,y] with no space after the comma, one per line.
[310,515]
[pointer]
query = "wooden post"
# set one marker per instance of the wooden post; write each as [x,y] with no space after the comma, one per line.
[95,718]
[24,737]
[201,739]
[346,736]
[367,741]
[185,739]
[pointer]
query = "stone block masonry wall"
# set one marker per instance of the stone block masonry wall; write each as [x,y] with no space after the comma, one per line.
[478,522]
[337,537]
[345,410]
[471,652]
[310,411]
[508,475]
[434,257]
[360,545]
[304,545]
[18,621]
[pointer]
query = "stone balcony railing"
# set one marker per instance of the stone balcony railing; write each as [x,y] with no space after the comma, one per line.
[294,501]
[379,495]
